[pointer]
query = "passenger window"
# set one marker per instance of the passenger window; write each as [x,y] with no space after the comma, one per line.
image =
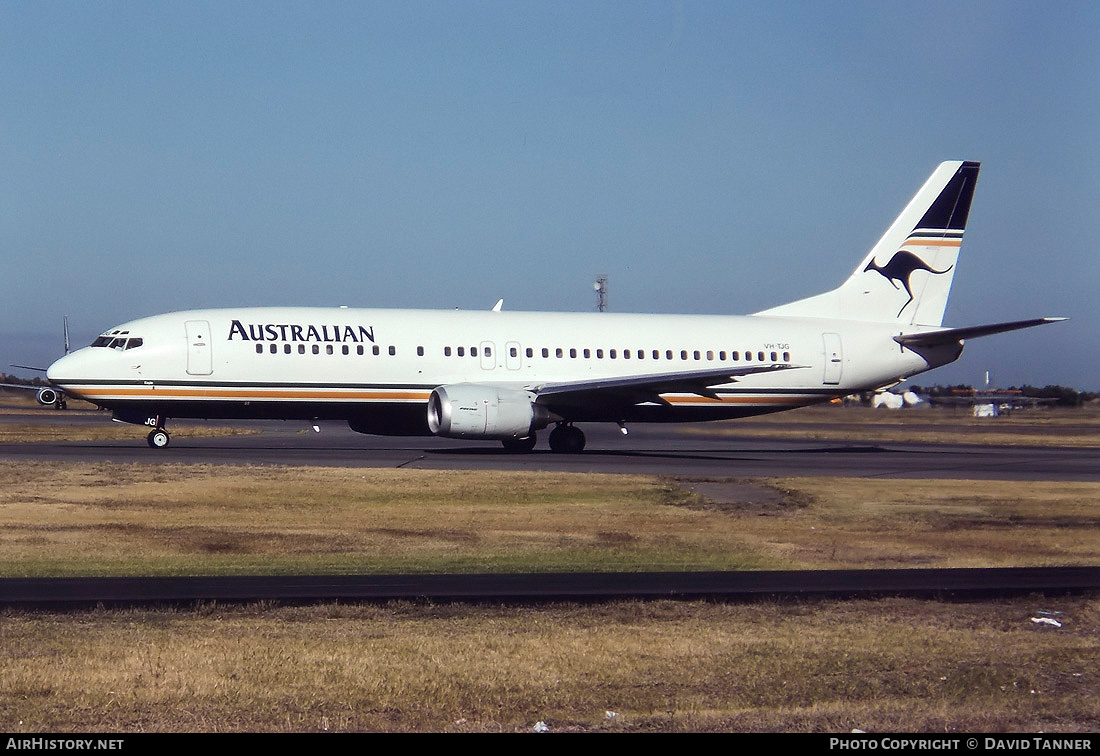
[695,354]
[545,352]
[446,351]
[710,355]
[275,348]
[286,348]
[611,354]
[530,352]
[345,349]
[735,356]
[461,351]
[259,349]
[722,355]
[316,349]
[419,351]
[488,351]
[558,352]
[668,354]
[376,350]
[573,353]
[786,356]
[359,349]
[683,354]
[587,354]
[302,348]
[599,354]
[760,356]
[393,351]
[512,351]
[473,351]
[775,357]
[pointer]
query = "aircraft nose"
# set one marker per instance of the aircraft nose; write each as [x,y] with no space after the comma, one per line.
[61,369]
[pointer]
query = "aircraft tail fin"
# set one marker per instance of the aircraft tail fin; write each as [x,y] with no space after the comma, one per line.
[907,275]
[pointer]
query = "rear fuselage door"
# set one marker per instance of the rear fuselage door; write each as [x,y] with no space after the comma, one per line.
[834,359]
[200,361]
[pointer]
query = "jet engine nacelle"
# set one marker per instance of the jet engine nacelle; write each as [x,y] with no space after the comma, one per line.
[47,396]
[470,410]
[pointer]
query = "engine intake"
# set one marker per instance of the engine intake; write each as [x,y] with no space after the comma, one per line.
[470,410]
[47,396]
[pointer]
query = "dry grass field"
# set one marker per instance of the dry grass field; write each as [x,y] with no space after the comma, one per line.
[888,665]
[160,519]
[1041,426]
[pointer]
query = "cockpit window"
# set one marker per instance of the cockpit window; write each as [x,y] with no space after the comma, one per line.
[117,340]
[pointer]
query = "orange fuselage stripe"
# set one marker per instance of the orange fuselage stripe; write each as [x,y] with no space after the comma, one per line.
[178,393]
[314,394]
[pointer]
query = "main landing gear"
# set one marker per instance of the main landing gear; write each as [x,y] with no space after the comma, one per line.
[566,439]
[525,444]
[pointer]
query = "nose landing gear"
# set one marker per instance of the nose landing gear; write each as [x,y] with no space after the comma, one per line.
[158,439]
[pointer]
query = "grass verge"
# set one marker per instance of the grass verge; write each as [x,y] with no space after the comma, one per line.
[888,666]
[169,519]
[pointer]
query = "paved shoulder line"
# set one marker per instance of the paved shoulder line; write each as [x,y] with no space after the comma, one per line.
[959,583]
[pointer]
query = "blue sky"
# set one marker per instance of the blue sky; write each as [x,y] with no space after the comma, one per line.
[708,157]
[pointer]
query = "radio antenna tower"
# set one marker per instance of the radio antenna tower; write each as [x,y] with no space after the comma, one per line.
[601,292]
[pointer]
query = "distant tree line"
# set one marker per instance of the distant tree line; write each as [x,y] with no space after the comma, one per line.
[36,381]
[1064,395]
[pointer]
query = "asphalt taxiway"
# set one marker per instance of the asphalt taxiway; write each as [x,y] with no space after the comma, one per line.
[696,451]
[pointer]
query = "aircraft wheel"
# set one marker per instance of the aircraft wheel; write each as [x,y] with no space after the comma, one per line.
[158,439]
[567,439]
[525,444]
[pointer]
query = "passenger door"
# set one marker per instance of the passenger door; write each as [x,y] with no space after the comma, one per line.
[200,361]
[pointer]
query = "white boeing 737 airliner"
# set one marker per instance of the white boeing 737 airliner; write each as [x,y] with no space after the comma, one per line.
[505,375]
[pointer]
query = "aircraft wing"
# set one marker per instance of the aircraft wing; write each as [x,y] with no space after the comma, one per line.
[646,388]
[22,386]
[951,335]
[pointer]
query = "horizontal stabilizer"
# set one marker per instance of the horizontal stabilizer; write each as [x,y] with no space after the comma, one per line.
[950,335]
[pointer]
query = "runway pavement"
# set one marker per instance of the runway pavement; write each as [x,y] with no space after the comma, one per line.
[702,450]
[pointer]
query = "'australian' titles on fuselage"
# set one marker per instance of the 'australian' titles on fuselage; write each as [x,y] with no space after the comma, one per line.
[297,332]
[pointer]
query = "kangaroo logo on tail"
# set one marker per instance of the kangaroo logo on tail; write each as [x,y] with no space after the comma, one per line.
[900,270]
